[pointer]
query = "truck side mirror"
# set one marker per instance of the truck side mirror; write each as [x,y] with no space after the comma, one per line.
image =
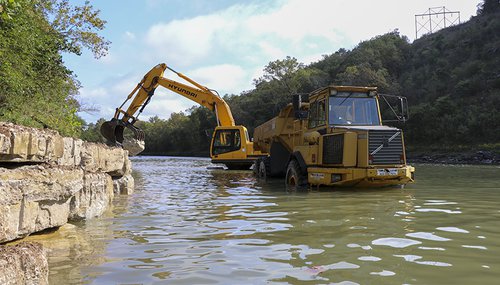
[398,105]
[296,102]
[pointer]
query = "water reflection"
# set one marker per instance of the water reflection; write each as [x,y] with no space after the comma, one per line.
[187,224]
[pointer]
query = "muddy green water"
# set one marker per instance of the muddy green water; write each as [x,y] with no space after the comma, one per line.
[187,224]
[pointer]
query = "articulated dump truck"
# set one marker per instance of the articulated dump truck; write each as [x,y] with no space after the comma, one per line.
[334,136]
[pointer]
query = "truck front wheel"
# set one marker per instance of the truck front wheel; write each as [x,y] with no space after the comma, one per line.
[261,168]
[294,176]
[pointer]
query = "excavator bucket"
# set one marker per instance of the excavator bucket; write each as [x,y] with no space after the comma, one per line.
[113,131]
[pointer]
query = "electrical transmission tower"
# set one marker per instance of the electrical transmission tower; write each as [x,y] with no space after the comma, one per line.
[435,19]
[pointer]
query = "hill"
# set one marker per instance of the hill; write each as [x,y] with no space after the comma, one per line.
[451,79]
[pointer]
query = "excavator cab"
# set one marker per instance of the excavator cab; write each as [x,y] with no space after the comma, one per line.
[232,147]
[226,141]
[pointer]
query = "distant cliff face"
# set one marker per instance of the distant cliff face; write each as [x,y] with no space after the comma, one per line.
[47,180]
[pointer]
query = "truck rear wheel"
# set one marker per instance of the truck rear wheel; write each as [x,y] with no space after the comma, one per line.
[294,176]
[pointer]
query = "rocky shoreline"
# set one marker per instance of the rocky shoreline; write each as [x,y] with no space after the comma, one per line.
[480,157]
[46,181]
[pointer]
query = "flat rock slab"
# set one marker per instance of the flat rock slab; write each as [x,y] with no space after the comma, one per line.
[23,263]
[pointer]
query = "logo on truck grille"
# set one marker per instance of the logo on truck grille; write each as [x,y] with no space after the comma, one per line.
[385,143]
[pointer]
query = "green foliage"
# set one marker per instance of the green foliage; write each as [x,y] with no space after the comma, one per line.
[78,26]
[451,80]
[7,9]
[91,132]
[36,89]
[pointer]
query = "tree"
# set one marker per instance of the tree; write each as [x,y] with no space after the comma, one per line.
[488,7]
[36,89]
[7,8]
[282,71]
[77,25]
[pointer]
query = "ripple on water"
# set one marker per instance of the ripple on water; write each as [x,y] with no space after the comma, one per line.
[426,210]
[341,265]
[432,248]
[452,230]
[395,242]
[415,259]
[427,236]
[369,258]
[383,273]
[475,247]
[439,202]
[355,245]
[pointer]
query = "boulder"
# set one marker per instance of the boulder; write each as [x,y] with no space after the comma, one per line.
[133,146]
[24,144]
[101,158]
[94,198]
[124,185]
[36,197]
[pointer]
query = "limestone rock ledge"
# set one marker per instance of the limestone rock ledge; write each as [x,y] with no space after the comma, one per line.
[47,180]
[23,263]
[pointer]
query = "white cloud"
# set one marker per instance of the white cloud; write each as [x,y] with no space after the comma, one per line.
[225,78]
[107,96]
[129,36]
[92,94]
[163,104]
[184,41]
[297,19]
[270,50]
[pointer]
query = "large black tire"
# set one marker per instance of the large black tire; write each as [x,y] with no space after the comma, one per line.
[262,168]
[295,178]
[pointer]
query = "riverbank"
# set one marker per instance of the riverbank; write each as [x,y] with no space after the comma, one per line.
[479,157]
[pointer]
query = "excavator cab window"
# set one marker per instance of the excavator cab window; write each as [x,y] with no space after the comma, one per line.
[226,141]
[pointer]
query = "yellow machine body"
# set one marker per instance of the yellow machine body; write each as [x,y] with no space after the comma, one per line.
[335,139]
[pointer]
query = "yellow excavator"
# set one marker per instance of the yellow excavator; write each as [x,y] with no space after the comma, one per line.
[230,144]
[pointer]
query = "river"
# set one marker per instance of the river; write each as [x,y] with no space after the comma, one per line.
[187,224]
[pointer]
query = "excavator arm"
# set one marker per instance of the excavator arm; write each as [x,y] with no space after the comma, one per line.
[204,97]
[142,94]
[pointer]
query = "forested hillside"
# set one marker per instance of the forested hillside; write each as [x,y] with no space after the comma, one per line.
[451,79]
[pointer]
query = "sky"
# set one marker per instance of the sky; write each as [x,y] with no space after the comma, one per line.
[225,44]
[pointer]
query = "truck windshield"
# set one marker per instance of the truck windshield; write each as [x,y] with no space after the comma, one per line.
[353,110]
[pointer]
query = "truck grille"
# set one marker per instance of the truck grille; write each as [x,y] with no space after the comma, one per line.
[385,147]
[333,149]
